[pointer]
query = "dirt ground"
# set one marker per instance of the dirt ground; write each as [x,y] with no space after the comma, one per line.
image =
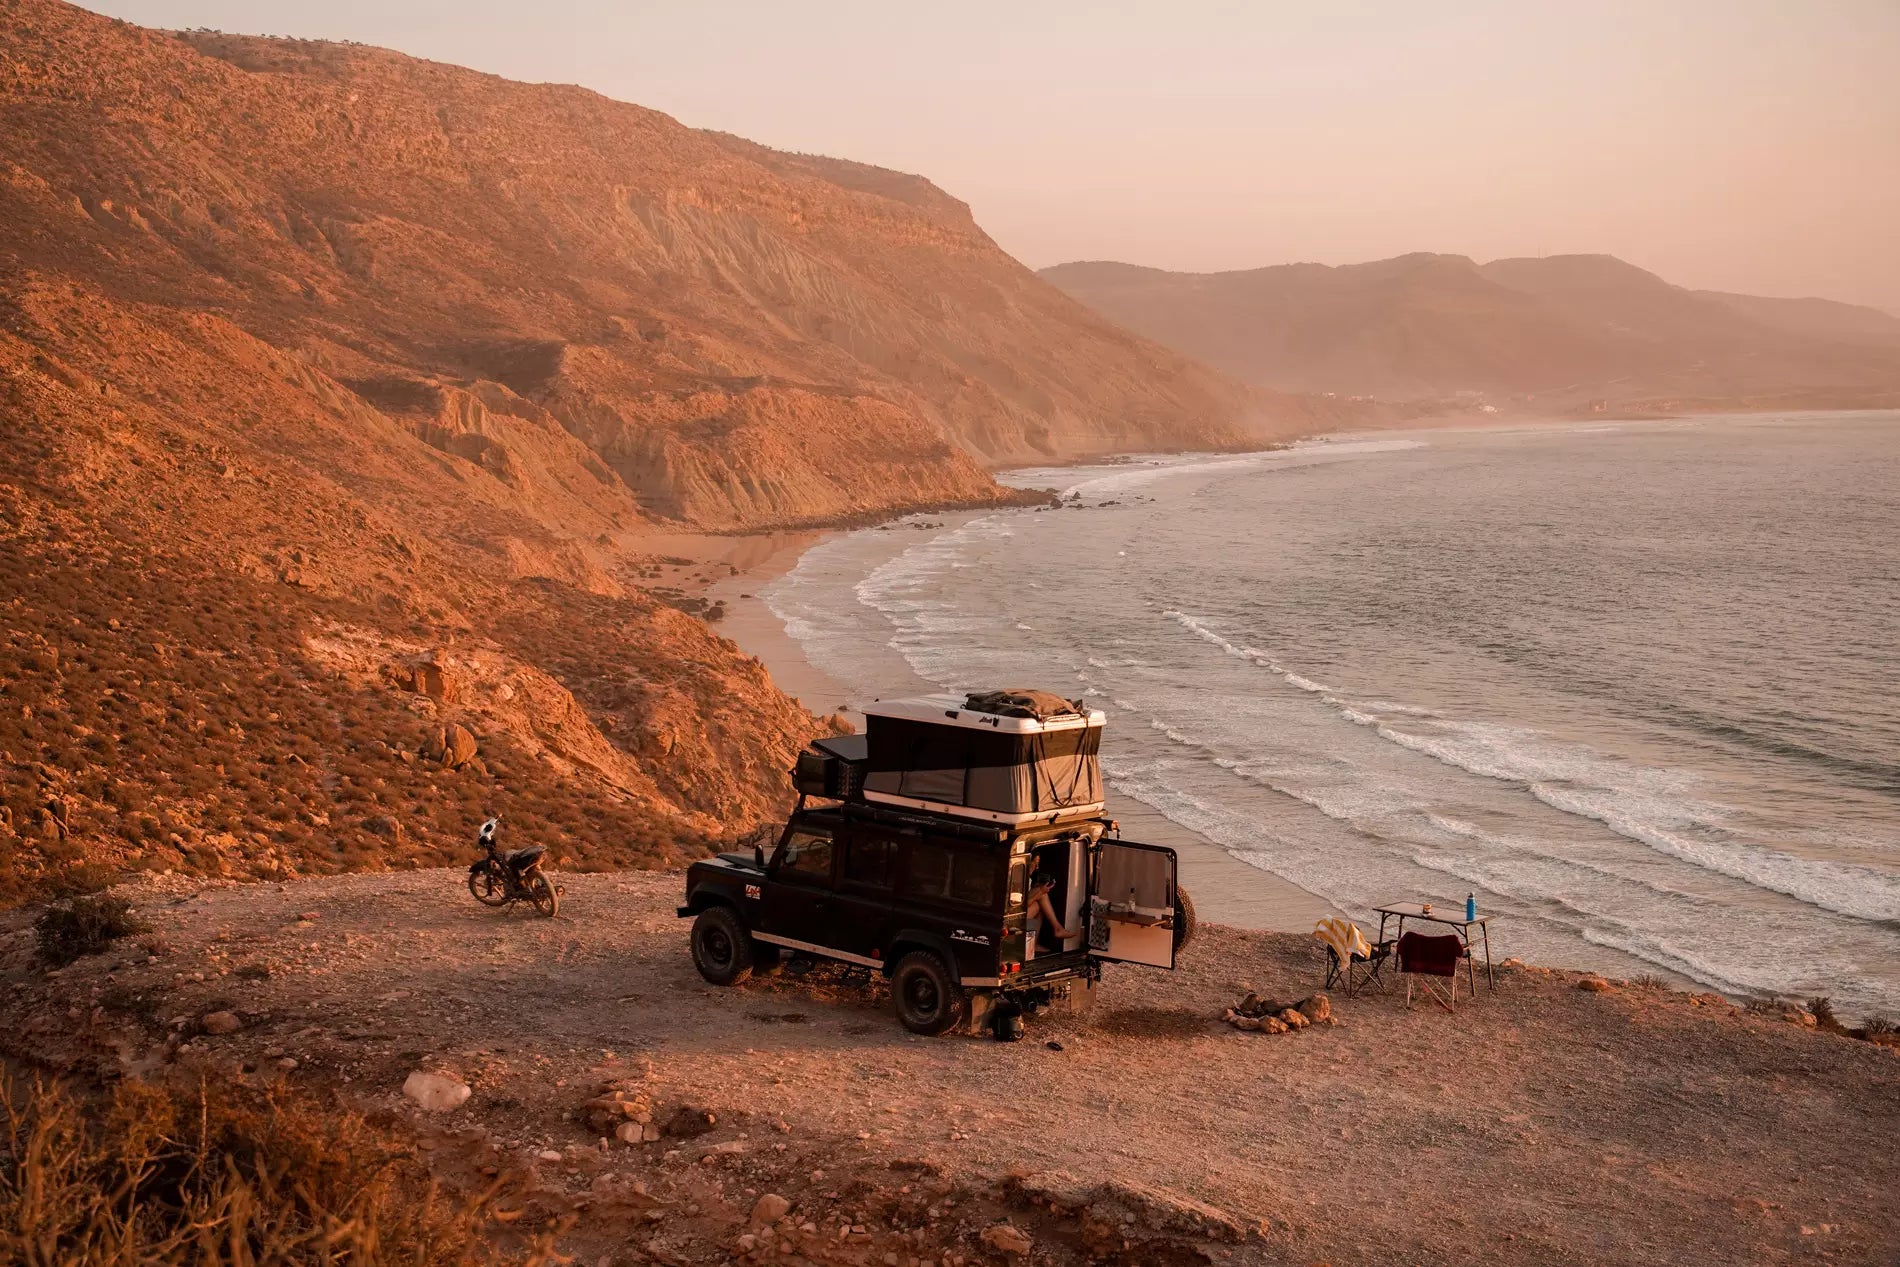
[1542,1123]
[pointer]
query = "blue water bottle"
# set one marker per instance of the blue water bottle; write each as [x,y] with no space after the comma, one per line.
[1471,906]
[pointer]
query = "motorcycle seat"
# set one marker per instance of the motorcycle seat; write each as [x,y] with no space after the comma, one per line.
[521,857]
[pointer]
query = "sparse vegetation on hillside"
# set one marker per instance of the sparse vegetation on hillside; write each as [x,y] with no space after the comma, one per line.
[218,1176]
[83,926]
[167,716]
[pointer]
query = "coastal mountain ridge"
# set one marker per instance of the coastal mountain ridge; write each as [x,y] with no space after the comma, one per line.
[717,323]
[1529,334]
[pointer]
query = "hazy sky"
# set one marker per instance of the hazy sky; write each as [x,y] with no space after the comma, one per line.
[1731,144]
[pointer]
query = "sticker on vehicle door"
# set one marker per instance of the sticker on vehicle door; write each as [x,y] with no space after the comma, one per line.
[975,939]
[751,890]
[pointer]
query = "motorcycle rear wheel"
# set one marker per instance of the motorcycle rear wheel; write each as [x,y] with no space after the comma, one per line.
[488,887]
[541,893]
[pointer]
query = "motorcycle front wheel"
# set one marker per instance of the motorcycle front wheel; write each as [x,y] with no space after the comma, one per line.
[488,887]
[541,893]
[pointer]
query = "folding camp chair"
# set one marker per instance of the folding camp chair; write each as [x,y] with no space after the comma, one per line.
[1423,958]
[1352,963]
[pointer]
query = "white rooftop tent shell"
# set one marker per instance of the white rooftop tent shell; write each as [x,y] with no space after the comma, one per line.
[936,753]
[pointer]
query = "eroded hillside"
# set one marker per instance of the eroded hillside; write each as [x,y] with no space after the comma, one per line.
[249,625]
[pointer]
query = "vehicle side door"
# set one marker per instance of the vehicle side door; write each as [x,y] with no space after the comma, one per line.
[954,890]
[798,888]
[1131,903]
[867,874]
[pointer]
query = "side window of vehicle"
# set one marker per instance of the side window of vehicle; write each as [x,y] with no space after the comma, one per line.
[927,872]
[870,861]
[957,875]
[973,878]
[806,854]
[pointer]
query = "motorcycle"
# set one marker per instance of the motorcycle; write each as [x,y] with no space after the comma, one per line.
[499,878]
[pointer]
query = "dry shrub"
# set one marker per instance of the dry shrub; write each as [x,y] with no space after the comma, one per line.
[217,1175]
[1822,1009]
[83,926]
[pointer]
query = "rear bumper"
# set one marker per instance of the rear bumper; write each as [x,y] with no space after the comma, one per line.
[1048,968]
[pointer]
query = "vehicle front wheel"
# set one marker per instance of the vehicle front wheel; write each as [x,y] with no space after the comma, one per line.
[722,949]
[541,893]
[928,999]
[1185,921]
[487,885]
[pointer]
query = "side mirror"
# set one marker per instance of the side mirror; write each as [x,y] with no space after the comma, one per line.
[758,854]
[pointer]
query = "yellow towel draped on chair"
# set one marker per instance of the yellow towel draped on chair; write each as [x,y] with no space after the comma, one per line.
[1344,937]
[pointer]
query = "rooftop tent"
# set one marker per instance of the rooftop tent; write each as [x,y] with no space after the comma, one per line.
[1002,756]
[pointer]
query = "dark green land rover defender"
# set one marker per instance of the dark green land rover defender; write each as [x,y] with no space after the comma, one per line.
[917,859]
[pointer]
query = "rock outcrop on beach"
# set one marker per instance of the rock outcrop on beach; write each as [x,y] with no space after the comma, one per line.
[1556,334]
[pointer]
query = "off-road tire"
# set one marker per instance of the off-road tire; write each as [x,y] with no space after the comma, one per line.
[722,949]
[1186,923]
[488,887]
[927,998]
[541,893]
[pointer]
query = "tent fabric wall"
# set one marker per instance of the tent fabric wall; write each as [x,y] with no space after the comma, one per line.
[1006,773]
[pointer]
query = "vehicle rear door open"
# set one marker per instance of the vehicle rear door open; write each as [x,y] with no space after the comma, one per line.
[1131,903]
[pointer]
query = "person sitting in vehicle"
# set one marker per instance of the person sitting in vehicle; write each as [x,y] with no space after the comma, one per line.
[1041,915]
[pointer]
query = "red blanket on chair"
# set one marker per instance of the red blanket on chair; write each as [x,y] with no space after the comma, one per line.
[1432,956]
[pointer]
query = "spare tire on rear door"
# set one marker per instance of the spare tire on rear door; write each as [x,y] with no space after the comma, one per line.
[927,998]
[1185,921]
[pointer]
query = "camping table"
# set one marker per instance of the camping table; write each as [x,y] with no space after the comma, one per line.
[1402,911]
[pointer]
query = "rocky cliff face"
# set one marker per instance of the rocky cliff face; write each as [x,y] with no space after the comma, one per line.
[1537,334]
[251,625]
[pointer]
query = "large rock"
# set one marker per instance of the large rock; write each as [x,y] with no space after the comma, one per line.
[453,745]
[220,1023]
[769,1209]
[436,1092]
[436,680]
[1008,1238]
[1316,1008]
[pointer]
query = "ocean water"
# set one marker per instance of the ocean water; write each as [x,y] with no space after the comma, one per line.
[1636,685]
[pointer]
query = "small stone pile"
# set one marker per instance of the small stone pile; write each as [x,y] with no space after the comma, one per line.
[623,1113]
[1264,1016]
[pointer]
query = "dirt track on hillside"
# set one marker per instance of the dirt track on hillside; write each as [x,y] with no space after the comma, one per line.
[1541,1124]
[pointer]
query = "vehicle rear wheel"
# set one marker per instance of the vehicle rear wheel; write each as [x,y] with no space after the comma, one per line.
[1185,921]
[541,893]
[488,886]
[722,950]
[928,999]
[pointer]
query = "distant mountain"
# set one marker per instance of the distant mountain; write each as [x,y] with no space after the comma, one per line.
[1537,333]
